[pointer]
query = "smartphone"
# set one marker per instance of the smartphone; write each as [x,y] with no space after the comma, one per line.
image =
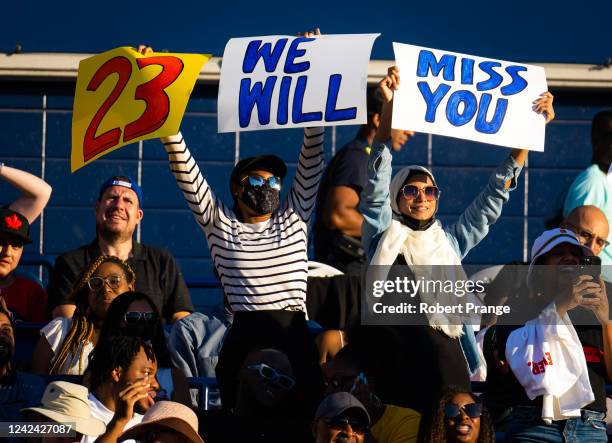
[590,266]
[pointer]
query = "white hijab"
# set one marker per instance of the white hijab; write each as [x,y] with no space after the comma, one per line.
[422,248]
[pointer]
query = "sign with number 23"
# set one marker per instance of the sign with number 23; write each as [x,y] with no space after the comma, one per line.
[123,97]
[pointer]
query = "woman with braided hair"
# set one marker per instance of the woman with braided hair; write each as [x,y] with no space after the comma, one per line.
[65,343]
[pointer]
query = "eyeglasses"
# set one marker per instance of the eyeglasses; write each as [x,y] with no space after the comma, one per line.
[97,283]
[412,191]
[257,181]
[271,374]
[132,317]
[342,423]
[473,410]
[586,237]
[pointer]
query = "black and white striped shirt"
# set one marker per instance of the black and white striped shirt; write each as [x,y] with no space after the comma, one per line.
[262,266]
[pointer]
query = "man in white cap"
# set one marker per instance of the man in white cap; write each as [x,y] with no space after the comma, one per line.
[166,422]
[66,404]
[340,418]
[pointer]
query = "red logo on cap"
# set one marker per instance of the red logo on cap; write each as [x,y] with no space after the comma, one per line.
[13,222]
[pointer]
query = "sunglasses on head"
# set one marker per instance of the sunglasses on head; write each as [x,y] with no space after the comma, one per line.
[341,423]
[132,317]
[473,410]
[97,283]
[257,181]
[269,373]
[412,191]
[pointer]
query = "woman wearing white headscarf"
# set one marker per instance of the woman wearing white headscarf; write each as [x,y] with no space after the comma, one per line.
[400,228]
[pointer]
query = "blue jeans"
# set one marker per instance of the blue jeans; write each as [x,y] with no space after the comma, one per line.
[525,424]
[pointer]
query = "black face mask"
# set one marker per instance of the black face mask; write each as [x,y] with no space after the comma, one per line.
[261,199]
[140,329]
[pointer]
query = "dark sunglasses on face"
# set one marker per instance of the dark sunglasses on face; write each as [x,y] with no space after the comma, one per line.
[340,424]
[412,191]
[473,410]
[133,317]
[97,283]
[269,373]
[257,181]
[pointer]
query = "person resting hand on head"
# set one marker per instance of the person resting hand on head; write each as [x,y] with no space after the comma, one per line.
[25,298]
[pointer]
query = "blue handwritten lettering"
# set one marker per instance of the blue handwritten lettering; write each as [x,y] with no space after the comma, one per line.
[298,101]
[498,117]
[331,113]
[427,61]
[282,116]
[518,82]
[467,71]
[494,79]
[259,96]
[270,57]
[452,107]
[292,53]
[432,99]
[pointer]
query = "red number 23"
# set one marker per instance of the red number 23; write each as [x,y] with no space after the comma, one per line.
[152,93]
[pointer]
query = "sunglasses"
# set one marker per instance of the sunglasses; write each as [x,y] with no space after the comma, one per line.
[257,181]
[473,410]
[340,424]
[269,373]
[412,192]
[97,283]
[587,237]
[133,317]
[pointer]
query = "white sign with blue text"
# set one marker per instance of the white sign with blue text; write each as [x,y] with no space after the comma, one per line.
[287,82]
[468,97]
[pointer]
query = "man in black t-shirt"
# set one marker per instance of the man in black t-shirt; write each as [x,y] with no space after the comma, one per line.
[118,212]
[337,229]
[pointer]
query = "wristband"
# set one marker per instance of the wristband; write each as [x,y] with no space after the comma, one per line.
[1,166]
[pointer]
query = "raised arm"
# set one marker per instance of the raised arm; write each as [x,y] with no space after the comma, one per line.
[35,192]
[375,205]
[303,194]
[189,179]
[474,223]
[542,105]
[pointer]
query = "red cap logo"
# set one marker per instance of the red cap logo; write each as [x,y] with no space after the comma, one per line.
[13,222]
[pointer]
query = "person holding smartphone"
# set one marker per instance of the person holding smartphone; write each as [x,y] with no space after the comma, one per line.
[567,315]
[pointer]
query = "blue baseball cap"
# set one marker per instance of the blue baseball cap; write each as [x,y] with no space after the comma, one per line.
[126,182]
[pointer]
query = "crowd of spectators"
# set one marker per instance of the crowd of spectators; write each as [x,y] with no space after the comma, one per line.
[119,338]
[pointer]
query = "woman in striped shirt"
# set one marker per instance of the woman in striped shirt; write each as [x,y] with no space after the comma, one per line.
[259,250]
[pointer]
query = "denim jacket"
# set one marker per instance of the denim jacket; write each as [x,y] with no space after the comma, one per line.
[463,235]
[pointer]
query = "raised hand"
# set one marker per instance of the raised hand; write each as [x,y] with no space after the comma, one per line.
[145,50]
[544,105]
[310,34]
[389,84]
